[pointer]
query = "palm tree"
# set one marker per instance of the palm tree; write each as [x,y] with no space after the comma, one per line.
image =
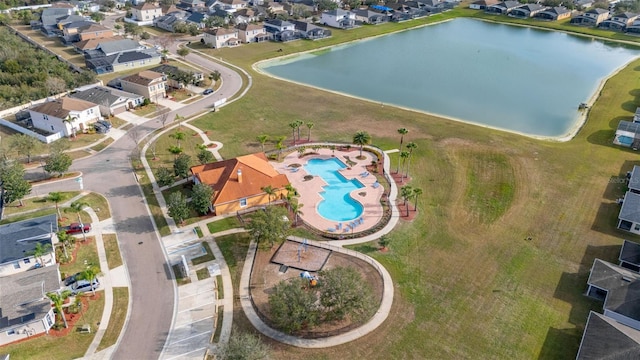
[56,197]
[70,120]
[333,150]
[406,192]
[76,207]
[404,155]
[293,125]
[58,300]
[280,146]
[410,146]
[90,275]
[299,123]
[301,151]
[296,210]
[310,126]
[416,193]
[262,139]
[270,191]
[291,193]
[402,132]
[41,250]
[178,135]
[383,241]
[361,138]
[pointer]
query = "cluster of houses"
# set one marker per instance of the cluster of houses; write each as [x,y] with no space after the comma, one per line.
[25,279]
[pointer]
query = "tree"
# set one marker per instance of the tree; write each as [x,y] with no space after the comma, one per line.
[163,118]
[280,145]
[177,207]
[326,5]
[214,76]
[58,162]
[310,126]
[416,193]
[404,155]
[344,293]
[293,125]
[292,306]
[133,29]
[25,145]
[164,177]
[300,11]
[40,250]
[299,123]
[183,51]
[13,185]
[56,197]
[270,191]
[410,146]
[269,226]
[402,132]
[60,145]
[262,139]
[90,275]
[181,166]
[145,35]
[406,192]
[353,4]
[76,207]
[361,138]
[97,16]
[201,197]
[71,121]
[66,240]
[243,346]
[205,156]
[301,151]
[315,148]
[179,136]
[55,85]
[117,27]
[383,241]
[296,209]
[58,300]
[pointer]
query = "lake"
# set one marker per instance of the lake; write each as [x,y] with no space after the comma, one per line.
[512,78]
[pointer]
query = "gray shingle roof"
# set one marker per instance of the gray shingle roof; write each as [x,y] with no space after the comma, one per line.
[630,210]
[605,338]
[607,276]
[630,252]
[19,239]
[23,295]
[634,180]
[114,47]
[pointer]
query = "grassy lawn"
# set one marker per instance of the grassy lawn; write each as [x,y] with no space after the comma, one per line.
[527,302]
[36,203]
[113,251]
[147,110]
[234,248]
[154,207]
[181,279]
[72,346]
[224,224]
[87,255]
[203,274]
[220,287]
[102,144]
[179,95]
[99,205]
[185,189]
[116,122]
[117,318]
[206,257]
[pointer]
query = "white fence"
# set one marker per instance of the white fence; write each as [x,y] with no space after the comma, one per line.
[45,139]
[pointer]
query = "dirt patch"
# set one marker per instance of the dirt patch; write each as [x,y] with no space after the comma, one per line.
[265,275]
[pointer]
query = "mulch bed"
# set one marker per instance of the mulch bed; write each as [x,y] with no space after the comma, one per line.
[397,177]
[72,319]
[403,211]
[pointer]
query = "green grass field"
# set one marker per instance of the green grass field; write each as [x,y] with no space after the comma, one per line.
[117,318]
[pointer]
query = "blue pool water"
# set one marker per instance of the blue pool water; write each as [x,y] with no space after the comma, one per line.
[337,205]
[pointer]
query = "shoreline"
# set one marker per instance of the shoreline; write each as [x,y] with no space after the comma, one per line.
[571,133]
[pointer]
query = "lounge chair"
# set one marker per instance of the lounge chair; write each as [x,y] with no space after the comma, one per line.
[295,169]
[375,185]
[361,220]
[331,229]
[365,174]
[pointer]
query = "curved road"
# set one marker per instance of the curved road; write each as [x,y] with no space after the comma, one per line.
[110,173]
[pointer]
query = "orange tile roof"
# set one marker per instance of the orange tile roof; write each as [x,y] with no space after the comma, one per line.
[222,176]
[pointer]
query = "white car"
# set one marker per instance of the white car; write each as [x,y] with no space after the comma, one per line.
[81,286]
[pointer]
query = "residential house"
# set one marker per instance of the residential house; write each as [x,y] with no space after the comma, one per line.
[221,37]
[527,11]
[233,5]
[92,44]
[197,18]
[168,21]
[109,100]
[146,12]
[282,30]
[366,16]
[248,33]
[503,8]
[65,115]
[119,55]
[245,16]
[87,7]
[18,241]
[553,14]
[630,255]
[150,84]
[173,74]
[49,20]
[583,4]
[238,183]
[338,18]
[633,180]
[592,17]
[274,8]
[619,22]
[192,5]
[628,134]
[634,28]
[482,4]
[605,338]
[25,309]
[310,31]
[94,31]
[636,116]
[629,216]
[72,28]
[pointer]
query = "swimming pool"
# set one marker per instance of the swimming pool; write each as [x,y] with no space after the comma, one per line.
[337,205]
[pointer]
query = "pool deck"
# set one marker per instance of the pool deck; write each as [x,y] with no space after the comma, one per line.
[310,190]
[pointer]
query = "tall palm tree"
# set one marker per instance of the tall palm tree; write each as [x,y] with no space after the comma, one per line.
[56,197]
[402,132]
[296,210]
[41,250]
[293,125]
[280,145]
[262,139]
[270,191]
[90,275]
[299,123]
[406,192]
[410,146]
[416,193]
[310,126]
[58,300]
[178,135]
[76,207]
[71,121]
[404,155]
[291,193]
[361,138]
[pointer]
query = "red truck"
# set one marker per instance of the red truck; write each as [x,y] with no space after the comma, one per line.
[77,228]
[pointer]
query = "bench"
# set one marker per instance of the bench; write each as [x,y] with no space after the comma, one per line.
[85,329]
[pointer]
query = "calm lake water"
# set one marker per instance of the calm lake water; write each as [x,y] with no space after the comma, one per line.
[508,77]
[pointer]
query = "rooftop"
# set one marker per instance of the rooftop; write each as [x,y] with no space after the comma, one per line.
[630,252]
[630,210]
[18,239]
[61,108]
[605,338]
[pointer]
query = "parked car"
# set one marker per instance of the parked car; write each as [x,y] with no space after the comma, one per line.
[100,129]
[207,92]
[84,285]
[71,279]
[104,123]
[77,228]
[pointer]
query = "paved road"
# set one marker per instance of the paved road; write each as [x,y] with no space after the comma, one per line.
[110,173]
